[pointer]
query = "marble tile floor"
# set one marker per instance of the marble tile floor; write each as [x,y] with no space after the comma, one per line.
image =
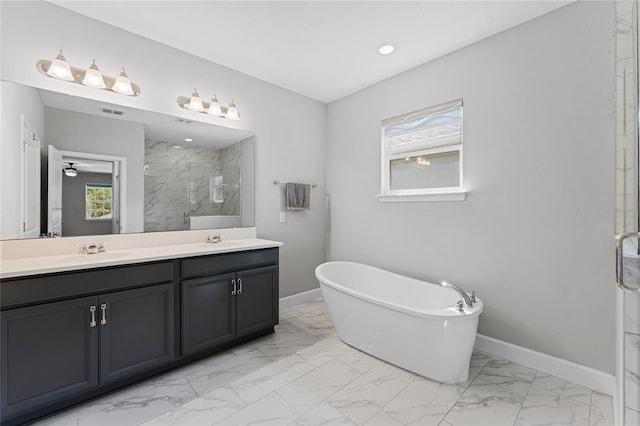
[304,375]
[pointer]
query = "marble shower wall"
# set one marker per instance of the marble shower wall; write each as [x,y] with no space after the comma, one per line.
[180,182]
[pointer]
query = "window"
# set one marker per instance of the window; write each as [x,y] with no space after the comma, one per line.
[98,198]
[422,155]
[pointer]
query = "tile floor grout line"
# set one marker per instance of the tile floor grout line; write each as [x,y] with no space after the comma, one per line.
[392,398]
[590,409]
[465,389]
[525,397]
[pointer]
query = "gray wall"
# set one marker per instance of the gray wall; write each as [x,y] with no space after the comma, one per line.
[74,206]
[73,131]
[533,237]
[290,129]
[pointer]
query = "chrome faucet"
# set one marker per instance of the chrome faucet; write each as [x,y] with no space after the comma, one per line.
[468,300]
[92,248]
[214,239]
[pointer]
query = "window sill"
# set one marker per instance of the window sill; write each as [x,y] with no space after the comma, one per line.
[435,196]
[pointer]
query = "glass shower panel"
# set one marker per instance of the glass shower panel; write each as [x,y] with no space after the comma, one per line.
[626,203]
[626,214]
[214,181]
[166,186]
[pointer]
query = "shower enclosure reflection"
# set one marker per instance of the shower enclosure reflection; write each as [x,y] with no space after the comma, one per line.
[188,185]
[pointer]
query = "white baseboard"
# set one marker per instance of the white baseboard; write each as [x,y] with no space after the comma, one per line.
[567,370]
[296,299]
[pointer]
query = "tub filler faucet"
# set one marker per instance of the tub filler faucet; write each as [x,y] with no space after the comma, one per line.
[469,300]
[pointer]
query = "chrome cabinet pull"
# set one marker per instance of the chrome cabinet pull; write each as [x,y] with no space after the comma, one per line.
[239,285]
[233,292]
[104,314]
[92,309]
[620,262]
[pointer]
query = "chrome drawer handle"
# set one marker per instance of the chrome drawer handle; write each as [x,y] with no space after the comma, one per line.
[92,309]
[239,285]
[104,313]
[233,292]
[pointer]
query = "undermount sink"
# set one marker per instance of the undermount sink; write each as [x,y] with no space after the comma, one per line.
[94,257]
[219,245]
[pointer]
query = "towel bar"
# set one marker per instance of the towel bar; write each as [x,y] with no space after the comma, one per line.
[278,182]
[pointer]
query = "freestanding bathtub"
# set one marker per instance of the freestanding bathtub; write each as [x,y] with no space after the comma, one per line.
[413,324]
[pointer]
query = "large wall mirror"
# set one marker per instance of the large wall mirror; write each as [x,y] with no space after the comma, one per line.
[73,166]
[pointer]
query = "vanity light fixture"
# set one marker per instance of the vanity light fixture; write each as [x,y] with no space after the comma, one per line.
[60,69]
[232,111]
[214,107]
[196,104]
[91,77]
[123,85]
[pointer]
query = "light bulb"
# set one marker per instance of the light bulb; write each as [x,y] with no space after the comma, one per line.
[60,69]
[122,84]
[93,77]
[195,103]
[232,111]
[214,107]
[386,49]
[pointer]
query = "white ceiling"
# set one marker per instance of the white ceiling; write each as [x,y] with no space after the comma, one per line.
[321,49]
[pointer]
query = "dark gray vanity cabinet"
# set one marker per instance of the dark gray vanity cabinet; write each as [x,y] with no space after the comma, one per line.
[136,331]
[55,350]
[220,306]
[207,313]
[49,352]
[71,336]
[256,288]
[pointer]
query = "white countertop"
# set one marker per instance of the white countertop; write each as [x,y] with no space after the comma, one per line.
[10,268]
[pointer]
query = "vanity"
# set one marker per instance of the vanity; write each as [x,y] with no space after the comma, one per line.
[75,326]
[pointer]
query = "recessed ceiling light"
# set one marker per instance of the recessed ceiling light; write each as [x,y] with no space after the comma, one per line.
[386,49]
[188,140]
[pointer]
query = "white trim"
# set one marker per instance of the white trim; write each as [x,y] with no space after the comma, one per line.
[567,370]
[435,196]
[297,299]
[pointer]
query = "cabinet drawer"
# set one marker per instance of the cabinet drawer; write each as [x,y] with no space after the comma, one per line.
[228,262]
[21,292]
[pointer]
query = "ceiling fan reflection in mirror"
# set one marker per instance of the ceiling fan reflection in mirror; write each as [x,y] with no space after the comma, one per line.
[70,171]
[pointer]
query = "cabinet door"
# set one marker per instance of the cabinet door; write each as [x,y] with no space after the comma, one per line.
[256,301]
[49,352]
[136,331]
[207,312]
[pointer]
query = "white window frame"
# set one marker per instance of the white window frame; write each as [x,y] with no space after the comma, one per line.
[456,193]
